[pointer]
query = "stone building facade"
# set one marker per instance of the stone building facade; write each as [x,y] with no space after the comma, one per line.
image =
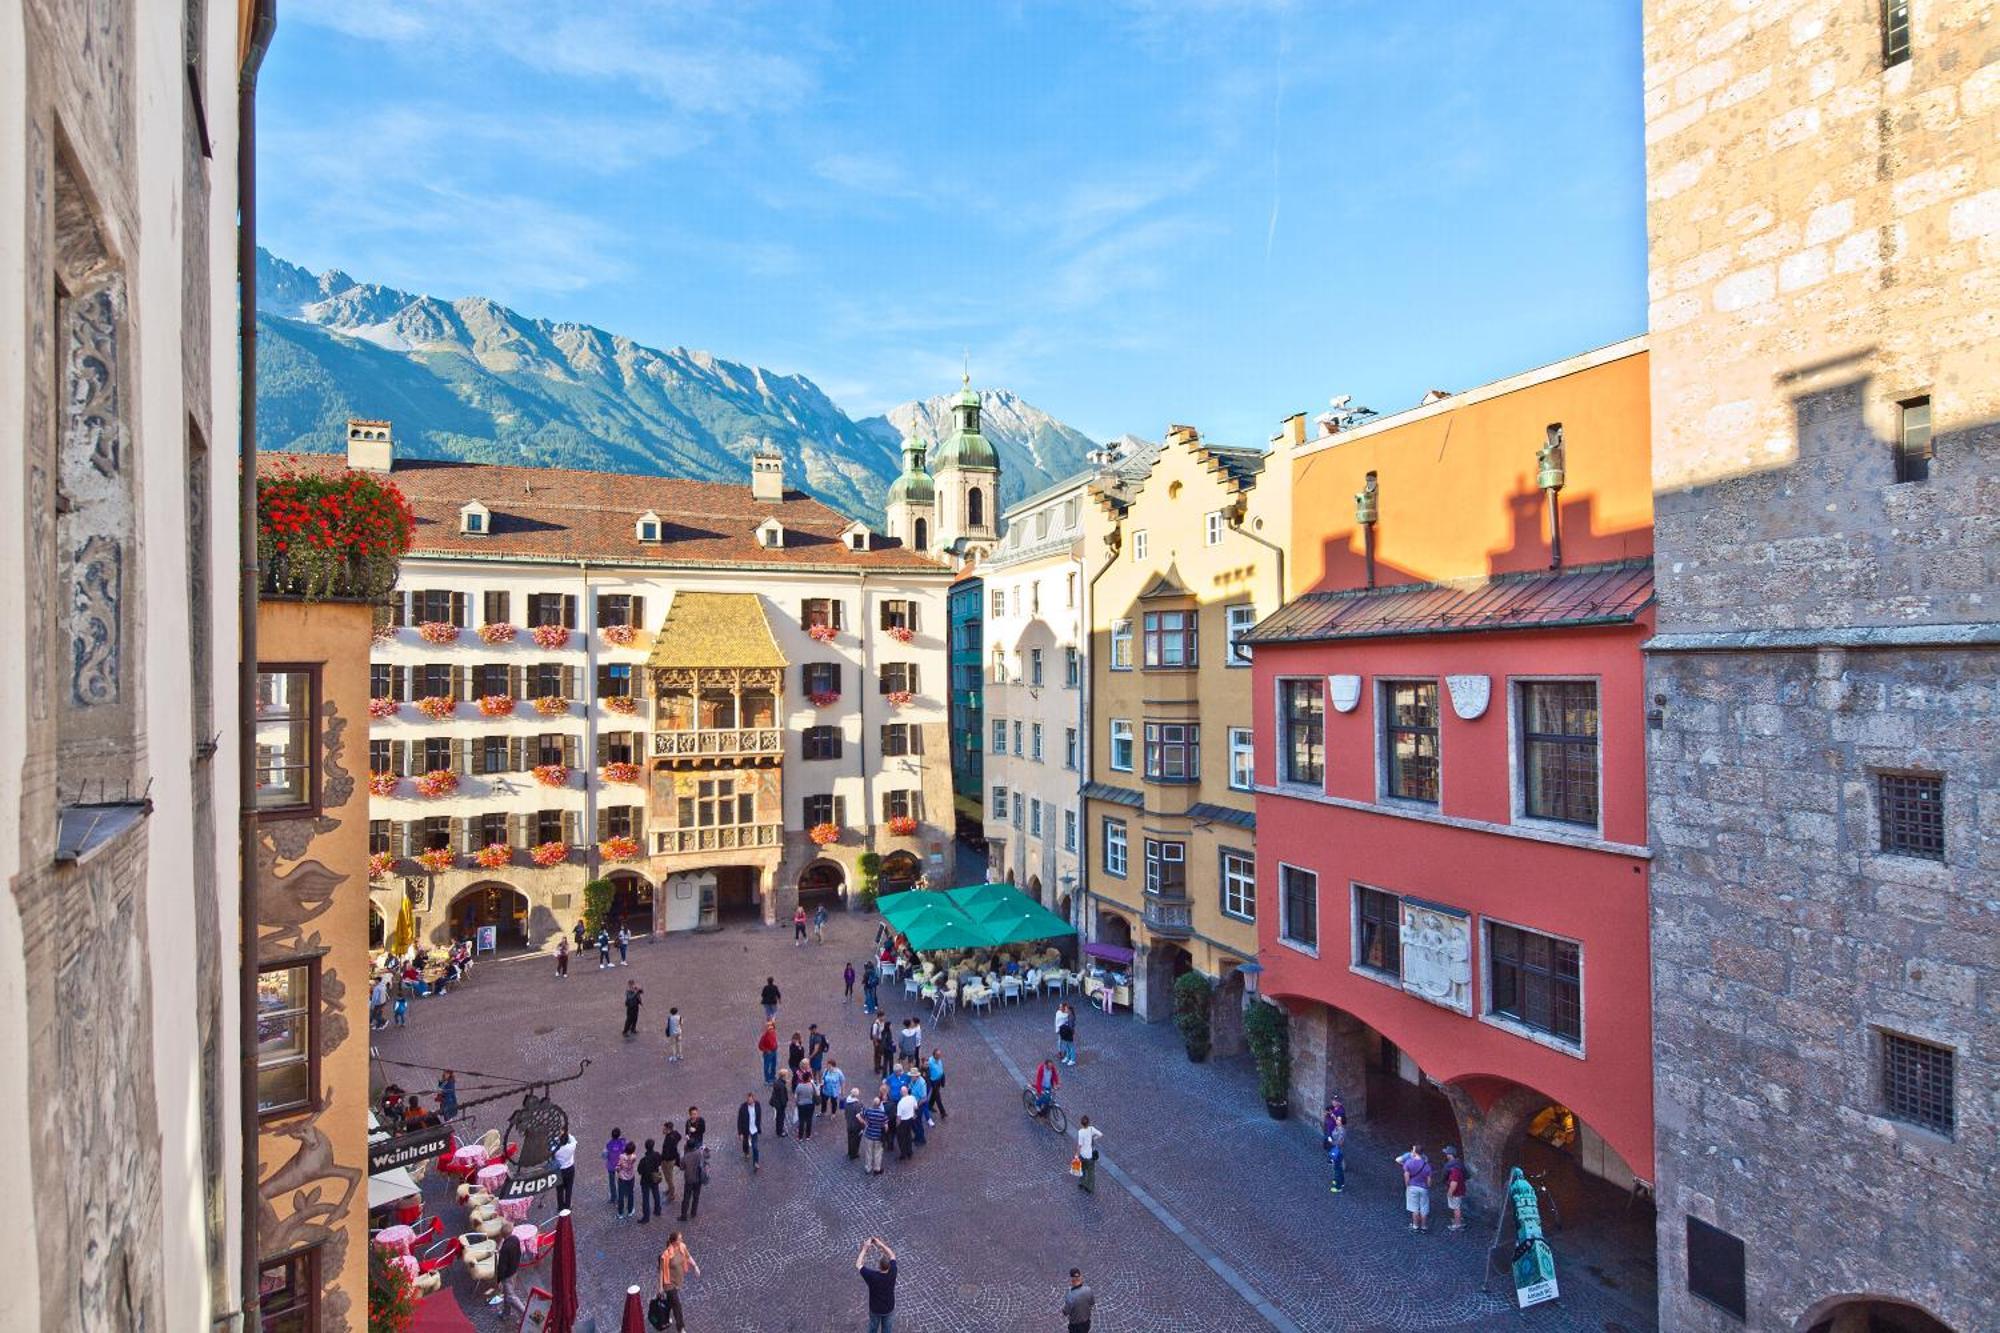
[118,926]
[1823,180]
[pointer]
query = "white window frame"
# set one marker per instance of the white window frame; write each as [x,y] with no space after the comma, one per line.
[1131,740]
[1122,845]
[1035,667]
[1139,544]
[1179,858]
[1000,803]
[1243,743]
[1213,527]
[1247,883]
[1035,816]
[1121,638]
[1071,751]
[1072,667]
[1035,741]
[1232,655]
[1484,1006]
[1517,769]
[999,735]
[1018,749]
[1284,924]
[1069,830]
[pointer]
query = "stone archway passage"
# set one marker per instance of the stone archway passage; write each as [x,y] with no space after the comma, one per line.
[631,902]
[900,871]
[501,906]
[1113,929]
[1865,1314]
[821,883]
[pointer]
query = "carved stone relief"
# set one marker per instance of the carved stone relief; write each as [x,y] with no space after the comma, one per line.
[1344,691]
[1437,955]
[94,496]
[1469,695]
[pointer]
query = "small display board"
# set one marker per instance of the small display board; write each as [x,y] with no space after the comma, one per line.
[486,939]
[526,1184]
[535,1317]
[406,1149]
[1535,1274]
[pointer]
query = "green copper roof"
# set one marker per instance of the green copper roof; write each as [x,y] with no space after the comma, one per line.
[914,486]
[966,447]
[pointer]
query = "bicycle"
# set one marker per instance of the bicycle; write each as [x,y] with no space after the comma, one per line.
[1545,1200]
[1055,1117]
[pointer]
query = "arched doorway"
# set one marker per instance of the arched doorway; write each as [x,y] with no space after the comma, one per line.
[820,884]
[1113,929]
[631,902]
[1010,874]
[1066,908]
[900,870]
[1870,1314]
[1225,1012]
[1165,964]
[501,906]
[1035,888]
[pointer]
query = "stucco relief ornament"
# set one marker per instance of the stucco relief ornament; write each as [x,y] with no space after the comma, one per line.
[1437,956]
[1470,695]
[1345,691]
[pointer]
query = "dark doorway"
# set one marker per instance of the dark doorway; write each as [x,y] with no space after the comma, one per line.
[899,872]
[496,905]
[631,903]
[735,893]
[820,883]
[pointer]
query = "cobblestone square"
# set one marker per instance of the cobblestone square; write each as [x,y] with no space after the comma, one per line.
[1208,1215]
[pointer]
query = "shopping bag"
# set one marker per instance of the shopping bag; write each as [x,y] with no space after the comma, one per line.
[1076,1166]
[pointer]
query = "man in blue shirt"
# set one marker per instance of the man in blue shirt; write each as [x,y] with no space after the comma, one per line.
[874,1123]
[881,1281]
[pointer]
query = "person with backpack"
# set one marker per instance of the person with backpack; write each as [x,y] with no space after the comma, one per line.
[603,948]
[1455,1178]
[1416,1188]
[649,1184]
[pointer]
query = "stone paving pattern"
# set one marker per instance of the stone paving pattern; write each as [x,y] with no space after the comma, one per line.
[985,1220]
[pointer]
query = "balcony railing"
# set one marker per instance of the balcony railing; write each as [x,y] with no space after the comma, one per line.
[1172,917]
[728,838]
[718,742]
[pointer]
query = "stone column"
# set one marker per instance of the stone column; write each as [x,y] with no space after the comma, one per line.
[1329,1055]
[1484,1137]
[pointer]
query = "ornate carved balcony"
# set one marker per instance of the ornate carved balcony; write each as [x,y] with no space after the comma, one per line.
[1172,918]
[720,743]
[727,838]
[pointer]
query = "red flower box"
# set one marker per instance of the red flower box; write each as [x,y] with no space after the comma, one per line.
[900,698]
[496,705]
[824,835]
[552,775]
[622,703]
[438,631]
[437,707]
[619,849]
[381,864]
[382,708]
[822,633]
[620,772]
[552,705]
[823,698]
[550,636]
[437,782]
[902,634]
[494,856]
[902,826]
[500,633]
[383,784]
[546,854]
[621,636]
[438,860]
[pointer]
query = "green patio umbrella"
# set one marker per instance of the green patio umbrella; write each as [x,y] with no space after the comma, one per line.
[944,928]
[1008,915]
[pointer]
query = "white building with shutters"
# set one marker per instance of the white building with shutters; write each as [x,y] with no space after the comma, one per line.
[667,684]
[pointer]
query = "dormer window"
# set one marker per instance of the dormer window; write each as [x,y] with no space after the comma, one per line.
[649,527]
[474,520]
[770,534]
[856,536]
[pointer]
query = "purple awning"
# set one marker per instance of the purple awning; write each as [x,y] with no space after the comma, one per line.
[1110,953]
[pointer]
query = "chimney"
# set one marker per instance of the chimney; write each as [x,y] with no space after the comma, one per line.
[767,473]
[1293,431]
[371,445]
[1182,435]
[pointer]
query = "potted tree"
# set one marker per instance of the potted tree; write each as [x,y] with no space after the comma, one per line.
[597,896]
[870,866]
[1268,1030]
[1192,993]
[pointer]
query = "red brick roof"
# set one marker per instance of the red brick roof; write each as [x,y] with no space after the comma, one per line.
[563,514]
[1609,594]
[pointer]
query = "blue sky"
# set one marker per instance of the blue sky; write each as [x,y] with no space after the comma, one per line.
[1130,212]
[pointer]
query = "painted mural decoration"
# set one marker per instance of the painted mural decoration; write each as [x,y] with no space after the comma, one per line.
[1469,695]
[95,504]
[1437,955]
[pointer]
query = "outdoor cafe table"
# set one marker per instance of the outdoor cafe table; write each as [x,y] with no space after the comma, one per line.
[515,1210]
[525,1232]
[472,1154]
[491,1178]
[397,1238]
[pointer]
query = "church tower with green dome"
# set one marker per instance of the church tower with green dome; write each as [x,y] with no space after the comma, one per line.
[912,503]
[966,472]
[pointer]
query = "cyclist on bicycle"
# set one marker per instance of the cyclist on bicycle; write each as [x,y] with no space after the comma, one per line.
[1045,1085]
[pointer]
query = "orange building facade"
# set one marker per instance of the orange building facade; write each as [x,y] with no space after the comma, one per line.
[1450,771]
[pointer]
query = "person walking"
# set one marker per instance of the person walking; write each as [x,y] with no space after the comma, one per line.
[1066,1033]
[831,1084]
[633,995]
[614,1148]
[781,1097]
[676,1267]
[875,1124]
[882,1043]
[448,1095]
[579,935]
[1087,1136]
[565,1160]
[1416,1188]
[1455,1176]
[870,982]
[650,1163]
[767,1043]
[673,1034]
[906,1126]
[770,996]
[847,984]
[819,924]
[881,1283]
[562,956]
[670,1157]
[402,1009]
[851,1110]
[603,948]
[749,1125]
[694,1174]
[1336,1148]
[805,1100]
[934,1075]
[798,925]
[378,999]
[624,943]
[795,1053]
[1079,1303]
[696,1128]
[628,1176]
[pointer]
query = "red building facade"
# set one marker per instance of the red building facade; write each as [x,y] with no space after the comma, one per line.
[1450,766]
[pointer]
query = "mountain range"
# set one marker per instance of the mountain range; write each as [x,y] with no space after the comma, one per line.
[471,379]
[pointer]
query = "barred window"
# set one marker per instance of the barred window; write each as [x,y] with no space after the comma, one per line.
[1410,740]
[1537,981]
[1559,750]
[1912,814]
[1917,1080]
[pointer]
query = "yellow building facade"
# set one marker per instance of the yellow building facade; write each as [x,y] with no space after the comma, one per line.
[1186,552]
